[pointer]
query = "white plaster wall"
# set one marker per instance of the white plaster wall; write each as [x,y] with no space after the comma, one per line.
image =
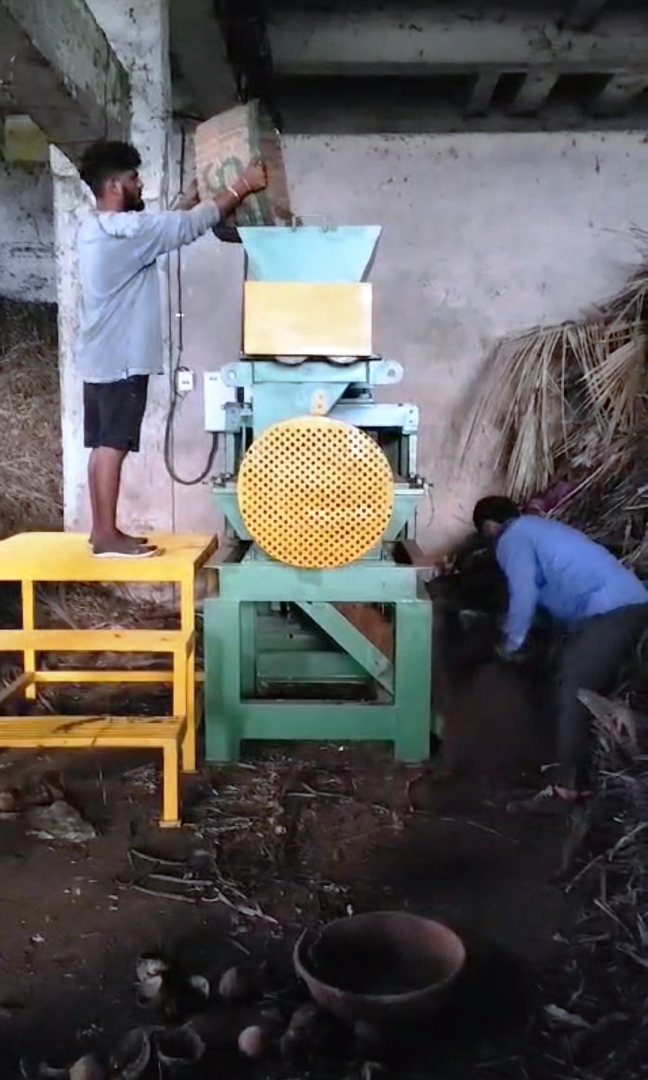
[211,312]
[138,33]
[26,234]
[484,234]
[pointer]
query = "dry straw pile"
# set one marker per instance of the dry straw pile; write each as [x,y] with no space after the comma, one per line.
[570,402]
[30,467]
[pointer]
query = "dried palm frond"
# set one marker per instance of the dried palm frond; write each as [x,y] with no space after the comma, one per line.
[522,399]
[570,402]
[615,385]
[560,397]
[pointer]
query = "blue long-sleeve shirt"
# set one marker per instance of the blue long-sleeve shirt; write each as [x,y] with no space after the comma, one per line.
[552,566]
[120,332]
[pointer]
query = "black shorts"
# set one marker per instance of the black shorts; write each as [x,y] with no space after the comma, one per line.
[113,413]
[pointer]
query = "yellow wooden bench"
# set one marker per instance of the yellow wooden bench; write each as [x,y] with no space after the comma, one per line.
[32,558]
[113,732]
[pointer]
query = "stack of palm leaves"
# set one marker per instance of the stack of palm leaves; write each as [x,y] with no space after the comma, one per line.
[571,402]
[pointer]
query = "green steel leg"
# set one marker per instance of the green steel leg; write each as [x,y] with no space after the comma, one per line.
[223,679]
[232,714]
[413,664]
[324,721]
[247,616]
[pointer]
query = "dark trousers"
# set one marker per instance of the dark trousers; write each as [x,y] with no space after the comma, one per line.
[591,658]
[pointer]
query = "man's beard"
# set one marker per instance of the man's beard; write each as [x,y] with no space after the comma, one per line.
[133,203]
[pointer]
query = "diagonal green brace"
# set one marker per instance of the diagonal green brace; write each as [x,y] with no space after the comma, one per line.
[351,640]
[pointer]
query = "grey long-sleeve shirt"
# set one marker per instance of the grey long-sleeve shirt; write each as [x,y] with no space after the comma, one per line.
[121,320]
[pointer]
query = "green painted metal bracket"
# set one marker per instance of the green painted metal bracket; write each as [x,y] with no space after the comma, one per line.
[378,582]
[314,667]
[352,641]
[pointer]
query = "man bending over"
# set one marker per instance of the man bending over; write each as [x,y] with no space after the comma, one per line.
[602,607]
[120,339]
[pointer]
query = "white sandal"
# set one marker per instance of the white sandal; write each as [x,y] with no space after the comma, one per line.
[144,553]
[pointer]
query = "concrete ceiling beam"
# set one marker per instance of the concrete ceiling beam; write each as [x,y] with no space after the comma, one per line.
[584,14]
[481,95]
[199,50]
[57,66]
[618,94]
[533,93]
[383,43]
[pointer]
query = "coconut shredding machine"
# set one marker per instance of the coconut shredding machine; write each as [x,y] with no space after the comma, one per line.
[321,625]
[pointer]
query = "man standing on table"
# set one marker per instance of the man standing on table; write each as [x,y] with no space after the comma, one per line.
[120,338]
[602,607]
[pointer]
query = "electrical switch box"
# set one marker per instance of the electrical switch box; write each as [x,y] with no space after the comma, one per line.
[217,396]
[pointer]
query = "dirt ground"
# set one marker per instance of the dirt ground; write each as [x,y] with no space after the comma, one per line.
[291,837]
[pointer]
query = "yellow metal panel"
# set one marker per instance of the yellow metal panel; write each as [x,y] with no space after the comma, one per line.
[100,675]
[315,493]
[117,733]
[28,617]
[89,731]
[162,641]
[66,557]
[170,786]
[303,319]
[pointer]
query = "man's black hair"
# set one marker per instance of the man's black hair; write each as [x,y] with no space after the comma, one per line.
[495,508]
[105,160]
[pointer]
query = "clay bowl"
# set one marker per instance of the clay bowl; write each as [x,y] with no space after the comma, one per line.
[385,966]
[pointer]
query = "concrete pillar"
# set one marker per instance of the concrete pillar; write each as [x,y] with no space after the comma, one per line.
[70,201]
[26,233]
[57,65]
[138,33]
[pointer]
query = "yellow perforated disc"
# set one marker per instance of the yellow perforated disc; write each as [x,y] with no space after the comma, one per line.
[315,493]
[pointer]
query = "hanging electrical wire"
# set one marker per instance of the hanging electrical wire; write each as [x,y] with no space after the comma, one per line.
[176,394]
[248,51]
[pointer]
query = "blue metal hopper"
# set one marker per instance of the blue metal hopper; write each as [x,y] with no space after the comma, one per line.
[309,253]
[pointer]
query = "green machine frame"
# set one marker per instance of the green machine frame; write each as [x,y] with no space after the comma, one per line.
[270,626]
[282,659]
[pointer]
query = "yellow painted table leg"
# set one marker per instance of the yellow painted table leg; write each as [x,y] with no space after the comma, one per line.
[180,704]
[170,818]
[189,742]
[188,626]
[28,619]
[188,604]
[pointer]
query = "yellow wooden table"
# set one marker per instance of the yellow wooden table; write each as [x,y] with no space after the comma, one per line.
[114,732]
[32,558]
